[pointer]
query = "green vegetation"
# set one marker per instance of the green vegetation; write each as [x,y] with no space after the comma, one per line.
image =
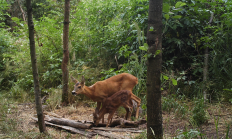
[108,37]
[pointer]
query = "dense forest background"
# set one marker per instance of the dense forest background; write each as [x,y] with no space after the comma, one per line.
[108,37]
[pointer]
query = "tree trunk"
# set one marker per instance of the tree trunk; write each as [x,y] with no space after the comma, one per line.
[21,9]
[206,61]
[154,67]
[205,72]
[65,53]
[38,103]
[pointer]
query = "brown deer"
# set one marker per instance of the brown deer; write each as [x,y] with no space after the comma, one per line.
[106,88]
[111,104]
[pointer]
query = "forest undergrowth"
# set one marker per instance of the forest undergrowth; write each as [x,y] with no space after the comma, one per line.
[179,119]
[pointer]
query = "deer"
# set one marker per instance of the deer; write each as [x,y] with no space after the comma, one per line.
[111,104]
[106,88]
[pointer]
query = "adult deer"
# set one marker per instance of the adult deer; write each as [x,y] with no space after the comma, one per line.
[106,88]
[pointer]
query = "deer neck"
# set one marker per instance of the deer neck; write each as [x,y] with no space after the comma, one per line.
[89,92]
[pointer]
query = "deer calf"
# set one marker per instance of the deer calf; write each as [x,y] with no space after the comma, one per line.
[111,104]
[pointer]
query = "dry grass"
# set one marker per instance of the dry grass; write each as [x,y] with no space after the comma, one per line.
[25,127]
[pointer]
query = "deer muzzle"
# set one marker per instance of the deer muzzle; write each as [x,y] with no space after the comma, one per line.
[73,93]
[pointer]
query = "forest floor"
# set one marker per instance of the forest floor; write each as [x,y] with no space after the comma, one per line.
[172,124]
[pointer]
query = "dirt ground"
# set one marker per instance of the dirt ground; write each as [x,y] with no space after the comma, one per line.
[82,112]
[172,124]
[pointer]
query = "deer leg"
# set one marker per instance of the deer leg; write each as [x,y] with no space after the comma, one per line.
[137,112]
[138,100]
[97,110]
[127,111]
[110,118]
[128,107]
[98,107]
[130,111]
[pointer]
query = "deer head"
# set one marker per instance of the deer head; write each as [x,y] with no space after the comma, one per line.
[79,86]
[96,119]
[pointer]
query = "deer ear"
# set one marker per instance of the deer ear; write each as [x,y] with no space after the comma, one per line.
[82,80]
[73,79]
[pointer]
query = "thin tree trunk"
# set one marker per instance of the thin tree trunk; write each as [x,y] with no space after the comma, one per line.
[39,109]
[154,67]
[206,61]
[65,53]
[205,72]
[21,9]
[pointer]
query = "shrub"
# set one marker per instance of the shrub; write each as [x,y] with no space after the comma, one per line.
[199,113]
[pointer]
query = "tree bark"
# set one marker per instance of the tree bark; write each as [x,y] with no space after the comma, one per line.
[206,61]
[154,67]
[39,109]
[65,53]
[205,72]
[21,9]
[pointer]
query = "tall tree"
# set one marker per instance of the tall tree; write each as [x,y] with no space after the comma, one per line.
[154,67]
[65,53]
[206,61]
[38,103]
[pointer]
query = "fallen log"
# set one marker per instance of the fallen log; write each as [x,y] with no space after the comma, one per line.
[71,129]
[132,130]
[125,123]
[66,122]
[88,134]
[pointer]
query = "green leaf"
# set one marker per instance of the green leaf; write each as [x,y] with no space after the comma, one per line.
[228,89]
[143,48]
[15,19]
[174,82]
[179,4]
[197,21]
[144,106]
[177,16]
[166,8]
[151,29]
[127,53]
[145,55]
[145,45]
[166,16]
[157,52]
[165,77]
